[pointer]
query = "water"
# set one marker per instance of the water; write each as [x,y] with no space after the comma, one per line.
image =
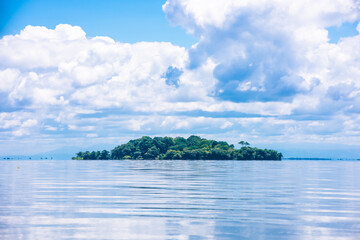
[179,200]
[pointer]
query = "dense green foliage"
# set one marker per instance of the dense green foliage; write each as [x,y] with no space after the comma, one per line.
[103,155]
[192,148]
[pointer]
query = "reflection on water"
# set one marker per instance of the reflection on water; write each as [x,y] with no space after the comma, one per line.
[179,200]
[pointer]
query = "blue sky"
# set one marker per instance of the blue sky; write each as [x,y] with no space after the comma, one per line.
[122,20]
[98,73]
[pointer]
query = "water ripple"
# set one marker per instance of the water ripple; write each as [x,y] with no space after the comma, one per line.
[179,200]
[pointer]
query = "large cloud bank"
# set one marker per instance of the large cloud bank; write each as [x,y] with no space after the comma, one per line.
[269,50]
[261,70]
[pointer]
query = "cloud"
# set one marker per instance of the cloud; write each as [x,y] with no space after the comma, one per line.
[262,70]
[61,67]
[39,47]
[262,49]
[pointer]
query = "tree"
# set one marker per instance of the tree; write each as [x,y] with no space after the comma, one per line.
[193,142]
[220,154]
[104,155]
[222,145]
[145,143]
[152,153]
[244,144]
[172,155]
[86,155]
[137,155]
[116,153]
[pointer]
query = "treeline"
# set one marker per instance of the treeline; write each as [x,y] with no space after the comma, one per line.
[103,155]
[179,148]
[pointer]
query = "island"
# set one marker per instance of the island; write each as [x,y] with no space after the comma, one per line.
[179,148]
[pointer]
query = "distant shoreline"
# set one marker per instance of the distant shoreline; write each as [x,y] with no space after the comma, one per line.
[68,159]
[29,158]
[303,158]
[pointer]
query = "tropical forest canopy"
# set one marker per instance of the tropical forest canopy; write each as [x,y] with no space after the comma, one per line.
[191,148]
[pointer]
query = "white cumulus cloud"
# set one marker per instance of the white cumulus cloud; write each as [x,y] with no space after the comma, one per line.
[261,69]
[266,50]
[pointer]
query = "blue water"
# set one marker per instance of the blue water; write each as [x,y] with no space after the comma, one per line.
[179,200]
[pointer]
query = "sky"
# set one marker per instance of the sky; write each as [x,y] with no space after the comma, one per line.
[85,73]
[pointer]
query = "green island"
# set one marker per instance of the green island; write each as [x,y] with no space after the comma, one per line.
[179,148]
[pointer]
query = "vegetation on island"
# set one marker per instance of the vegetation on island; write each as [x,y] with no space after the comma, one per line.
[179,148]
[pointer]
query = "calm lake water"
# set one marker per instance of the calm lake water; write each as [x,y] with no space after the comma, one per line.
[179,200]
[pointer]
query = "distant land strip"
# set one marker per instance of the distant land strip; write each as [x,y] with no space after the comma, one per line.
[179,148]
